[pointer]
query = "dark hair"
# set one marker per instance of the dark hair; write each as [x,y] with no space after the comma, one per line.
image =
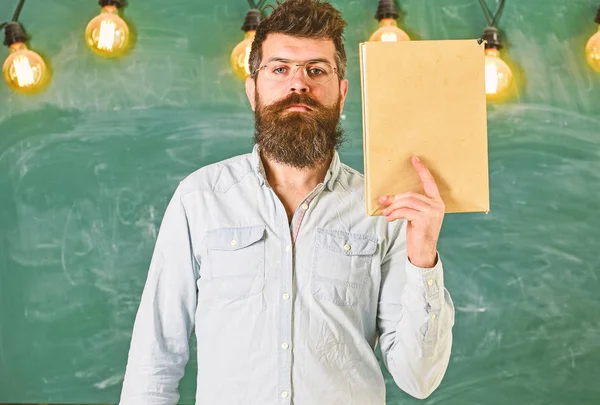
[314,19]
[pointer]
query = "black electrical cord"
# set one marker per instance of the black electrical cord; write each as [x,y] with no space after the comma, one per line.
[15,15]
[491,35]
[258,5]
[18,10]
[492,21]
[13,31]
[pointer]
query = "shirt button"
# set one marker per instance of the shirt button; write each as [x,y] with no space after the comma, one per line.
[233,242]
[286,296]
[287,248]
[433,317]
[430,282]
[347,247]
[284,394]
[284,346]
[305,206]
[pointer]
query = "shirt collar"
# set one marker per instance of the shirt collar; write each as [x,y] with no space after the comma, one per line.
[330,178]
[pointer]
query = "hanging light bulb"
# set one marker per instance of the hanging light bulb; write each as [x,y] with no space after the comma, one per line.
[107,34]
[24,70]
[498,76]
[592,48]
[388,30]
[240,56]
[241,53]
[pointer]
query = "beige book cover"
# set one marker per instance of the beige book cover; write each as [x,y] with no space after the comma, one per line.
[425,98]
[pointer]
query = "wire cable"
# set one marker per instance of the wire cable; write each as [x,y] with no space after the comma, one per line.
[18,10]
[492,21]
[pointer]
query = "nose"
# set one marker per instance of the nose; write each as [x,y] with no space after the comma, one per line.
[298,82]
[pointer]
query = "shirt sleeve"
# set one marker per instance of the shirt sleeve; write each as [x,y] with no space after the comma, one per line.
[165,319]
[415,319]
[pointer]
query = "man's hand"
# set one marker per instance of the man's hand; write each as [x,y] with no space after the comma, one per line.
[424,213]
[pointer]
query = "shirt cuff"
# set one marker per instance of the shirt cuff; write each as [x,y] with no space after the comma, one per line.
[430,281]
[430,284]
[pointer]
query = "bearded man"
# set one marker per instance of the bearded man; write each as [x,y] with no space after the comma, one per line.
[270,259]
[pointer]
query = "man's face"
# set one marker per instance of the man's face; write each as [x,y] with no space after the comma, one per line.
[300,136]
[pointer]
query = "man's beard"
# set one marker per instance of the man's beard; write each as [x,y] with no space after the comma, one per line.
[301,139]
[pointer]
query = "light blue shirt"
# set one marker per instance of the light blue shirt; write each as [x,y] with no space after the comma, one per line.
[284,313]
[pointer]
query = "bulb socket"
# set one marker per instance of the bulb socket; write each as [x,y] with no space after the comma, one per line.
[116,3]
[13,33]
[252,20]
[492,38]
[386,9]
[597,19]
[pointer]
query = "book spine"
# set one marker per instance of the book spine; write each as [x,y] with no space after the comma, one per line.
[363,56]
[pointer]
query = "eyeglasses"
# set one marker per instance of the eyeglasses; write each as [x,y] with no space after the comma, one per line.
[282,71]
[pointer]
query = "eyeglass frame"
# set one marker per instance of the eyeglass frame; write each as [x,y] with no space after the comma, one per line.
[296,65]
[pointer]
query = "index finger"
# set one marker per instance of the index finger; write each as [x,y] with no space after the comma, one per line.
[431,188]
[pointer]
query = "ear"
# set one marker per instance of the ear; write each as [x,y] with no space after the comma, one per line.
[343,93]
[251,92]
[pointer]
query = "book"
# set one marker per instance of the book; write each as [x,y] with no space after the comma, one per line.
[425,98]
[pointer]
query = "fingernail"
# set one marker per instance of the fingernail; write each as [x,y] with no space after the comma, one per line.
[417,159]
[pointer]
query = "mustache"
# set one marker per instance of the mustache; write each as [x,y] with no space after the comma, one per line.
[295,98]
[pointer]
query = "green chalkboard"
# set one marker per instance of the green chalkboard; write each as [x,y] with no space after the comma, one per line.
[87,168]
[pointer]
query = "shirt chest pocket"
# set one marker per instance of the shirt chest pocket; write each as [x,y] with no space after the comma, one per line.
[341,266]
[235,268]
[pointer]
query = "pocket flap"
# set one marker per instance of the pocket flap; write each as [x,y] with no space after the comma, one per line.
[234,238]
[349,244]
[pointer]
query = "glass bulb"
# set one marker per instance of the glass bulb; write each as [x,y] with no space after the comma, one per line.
[25,70]
[107,34]
[592,51]
[388,31]
[497,73]
[241,55]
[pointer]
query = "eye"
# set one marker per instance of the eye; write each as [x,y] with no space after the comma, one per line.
[279,70]
[315,71]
